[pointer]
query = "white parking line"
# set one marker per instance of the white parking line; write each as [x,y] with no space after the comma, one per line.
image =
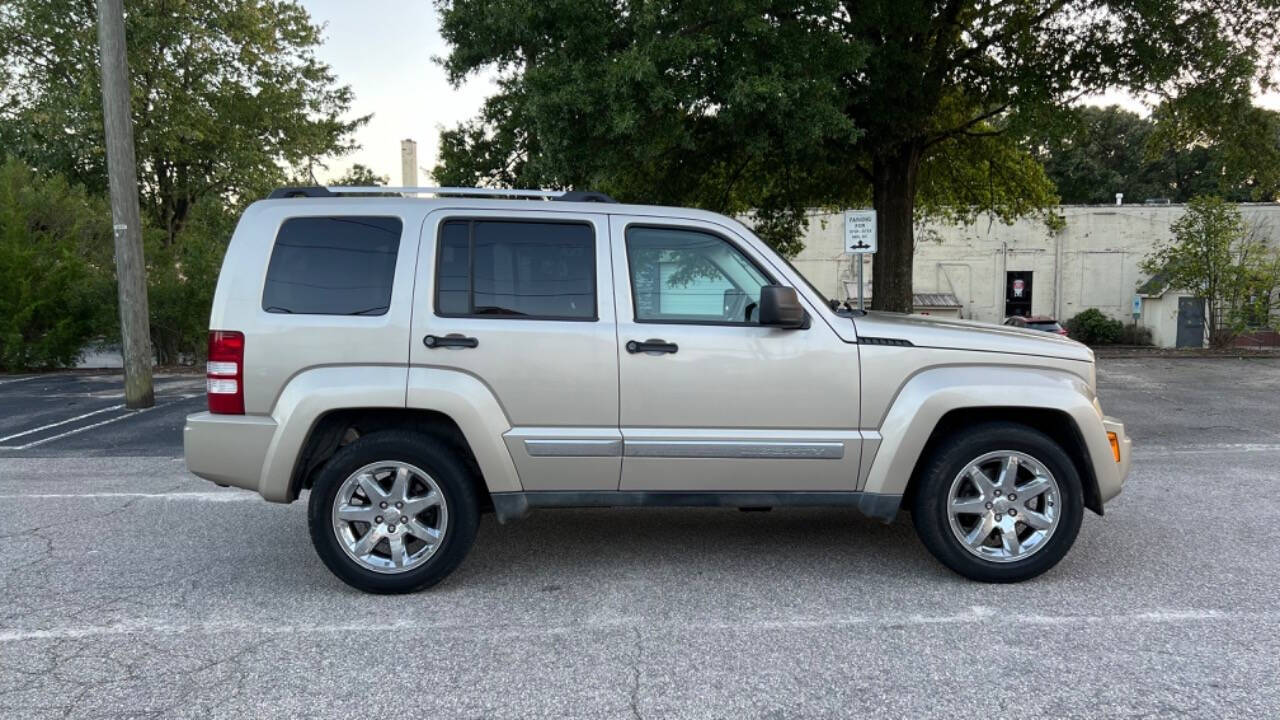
[143,627]
[212,496]
[6,381]
[1161,450]
[59,436]
[61,422]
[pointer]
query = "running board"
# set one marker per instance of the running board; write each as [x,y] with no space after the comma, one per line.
[514,505]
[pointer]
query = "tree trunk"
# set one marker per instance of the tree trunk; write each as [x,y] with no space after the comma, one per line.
[894,176]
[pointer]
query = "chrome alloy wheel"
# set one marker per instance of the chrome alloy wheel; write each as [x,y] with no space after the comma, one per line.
[390,516]
[1010,517]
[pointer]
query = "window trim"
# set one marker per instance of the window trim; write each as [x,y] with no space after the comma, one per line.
[266,273]
[626,248]
[471,221]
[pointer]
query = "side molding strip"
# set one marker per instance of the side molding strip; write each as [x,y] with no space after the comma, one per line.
[734,449]
[573,448]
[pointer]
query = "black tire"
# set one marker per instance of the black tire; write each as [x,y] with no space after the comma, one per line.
[949,458]
[433,456]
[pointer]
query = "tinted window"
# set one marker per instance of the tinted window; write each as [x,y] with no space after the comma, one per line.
[453,276]
[690,276]
[516,269]
[333,266]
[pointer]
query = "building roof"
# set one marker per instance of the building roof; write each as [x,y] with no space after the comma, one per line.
[1154,286]
[935,300]
[920,300]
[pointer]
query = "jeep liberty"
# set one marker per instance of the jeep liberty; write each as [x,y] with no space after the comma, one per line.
[412,362]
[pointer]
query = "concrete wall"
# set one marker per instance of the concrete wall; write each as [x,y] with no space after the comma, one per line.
[1092,263]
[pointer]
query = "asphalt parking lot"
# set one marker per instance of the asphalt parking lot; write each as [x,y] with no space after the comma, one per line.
[133,589]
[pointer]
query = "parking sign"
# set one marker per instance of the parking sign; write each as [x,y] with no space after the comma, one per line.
[859,231]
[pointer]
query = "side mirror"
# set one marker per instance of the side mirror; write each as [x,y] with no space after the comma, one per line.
[780,307]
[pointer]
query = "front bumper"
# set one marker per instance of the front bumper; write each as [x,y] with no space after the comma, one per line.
[1111,473]
[228,449]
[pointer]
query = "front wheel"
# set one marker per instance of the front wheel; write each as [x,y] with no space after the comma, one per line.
[998,502]
[393,512]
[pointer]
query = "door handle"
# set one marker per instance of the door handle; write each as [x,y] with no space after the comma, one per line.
[451,340]
[651,345]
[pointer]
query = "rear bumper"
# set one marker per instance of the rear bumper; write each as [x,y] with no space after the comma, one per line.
[228,449]
[1112,473]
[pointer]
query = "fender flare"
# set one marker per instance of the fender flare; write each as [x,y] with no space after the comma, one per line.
[312,393]
[930,394]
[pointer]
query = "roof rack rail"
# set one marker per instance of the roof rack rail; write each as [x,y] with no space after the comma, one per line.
[337,190]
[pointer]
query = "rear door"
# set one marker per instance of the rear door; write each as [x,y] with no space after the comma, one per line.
[710,399]
[523,302]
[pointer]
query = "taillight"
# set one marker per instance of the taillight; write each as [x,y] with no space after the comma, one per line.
[224,373]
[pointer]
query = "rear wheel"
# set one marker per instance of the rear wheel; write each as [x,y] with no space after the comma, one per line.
[393,512]
[999,502]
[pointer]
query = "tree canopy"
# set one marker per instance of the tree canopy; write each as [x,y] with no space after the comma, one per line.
[1103,151]
[739,105]
[227,97]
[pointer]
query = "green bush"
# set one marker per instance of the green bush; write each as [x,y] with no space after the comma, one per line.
[1135,334]
[55,291]
[1091,327]
[181,278]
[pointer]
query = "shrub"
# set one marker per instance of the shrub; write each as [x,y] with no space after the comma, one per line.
[1091,327]
[181,278]
[56,288]
[1135,334]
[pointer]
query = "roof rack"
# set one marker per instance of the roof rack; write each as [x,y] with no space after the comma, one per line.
[337,190]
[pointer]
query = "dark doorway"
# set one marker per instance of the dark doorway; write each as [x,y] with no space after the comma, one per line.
[1190,322]
[1017,293]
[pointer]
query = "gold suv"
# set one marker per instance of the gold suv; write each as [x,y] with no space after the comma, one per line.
[418,357]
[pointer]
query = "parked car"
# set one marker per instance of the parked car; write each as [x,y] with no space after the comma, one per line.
[1043,323]
[413,362]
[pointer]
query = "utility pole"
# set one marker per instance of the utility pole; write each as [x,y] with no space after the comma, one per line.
[122,171]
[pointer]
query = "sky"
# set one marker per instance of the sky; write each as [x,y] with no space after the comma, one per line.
[383,49]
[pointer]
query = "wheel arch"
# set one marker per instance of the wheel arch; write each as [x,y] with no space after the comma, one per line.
[318,405]
[340,427]
[1056,424]
[939,401]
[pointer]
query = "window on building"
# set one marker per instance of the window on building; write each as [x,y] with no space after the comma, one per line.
[516,269]
[690,276]
[341,265]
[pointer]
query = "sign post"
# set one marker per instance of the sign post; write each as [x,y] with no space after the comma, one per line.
[859,240]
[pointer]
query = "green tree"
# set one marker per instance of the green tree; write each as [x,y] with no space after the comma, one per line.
[1097,152]
[1101,152]
[359,176]
[226,98]
[739,104]
[55,254]
[1231,266]
[1230,149]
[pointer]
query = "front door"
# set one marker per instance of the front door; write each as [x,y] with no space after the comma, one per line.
[1190,322]
[710,399]
[1017,293]
[517,312]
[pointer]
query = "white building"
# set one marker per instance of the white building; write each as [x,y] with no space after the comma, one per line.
[996,270]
